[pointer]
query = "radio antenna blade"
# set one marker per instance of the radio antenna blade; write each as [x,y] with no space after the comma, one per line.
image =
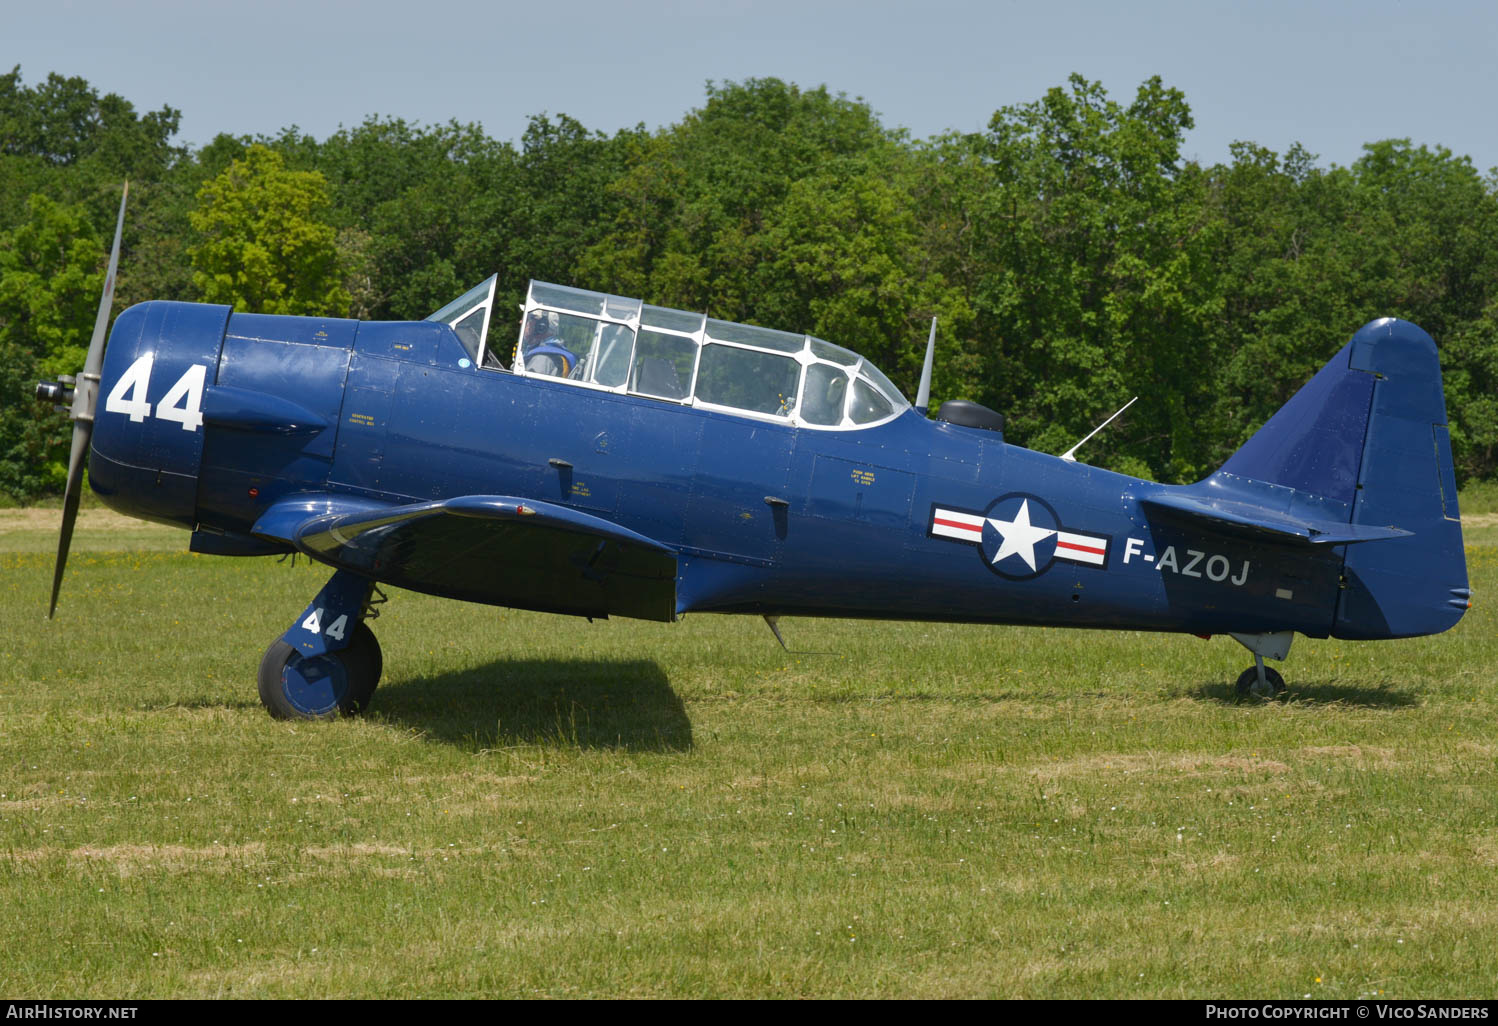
[923,394]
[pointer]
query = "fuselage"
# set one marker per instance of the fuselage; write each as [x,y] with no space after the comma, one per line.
[906,519]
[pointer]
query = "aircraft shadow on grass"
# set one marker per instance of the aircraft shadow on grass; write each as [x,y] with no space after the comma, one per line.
[623,704]
[1324,692]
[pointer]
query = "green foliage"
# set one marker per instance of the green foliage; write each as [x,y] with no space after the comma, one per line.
[839,248]
[1306,255]
[33,440]
[1074,259]
[1084,262]
[63,139]
[51,276]
[402,202]
[263,245]
[1470,374]
[64,121]
[700,201]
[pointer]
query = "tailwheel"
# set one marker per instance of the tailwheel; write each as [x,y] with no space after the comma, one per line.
[298,687]
[1260,681]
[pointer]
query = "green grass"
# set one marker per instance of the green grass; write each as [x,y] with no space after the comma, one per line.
[1479,497]
[539,806]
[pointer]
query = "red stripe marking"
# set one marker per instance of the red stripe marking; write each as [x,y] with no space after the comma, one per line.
[1081,548]
[957,524]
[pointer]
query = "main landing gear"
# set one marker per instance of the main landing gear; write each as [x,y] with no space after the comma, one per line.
[297,687]
[328,662]
[1260,681]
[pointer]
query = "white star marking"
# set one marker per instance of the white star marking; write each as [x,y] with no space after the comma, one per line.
[1019,536]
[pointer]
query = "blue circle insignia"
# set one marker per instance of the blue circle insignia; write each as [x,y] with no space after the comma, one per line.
[1019,536]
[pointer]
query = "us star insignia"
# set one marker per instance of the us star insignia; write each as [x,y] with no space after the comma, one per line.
[1020,536]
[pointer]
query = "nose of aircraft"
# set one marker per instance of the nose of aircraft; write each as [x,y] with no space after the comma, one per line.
[148,427]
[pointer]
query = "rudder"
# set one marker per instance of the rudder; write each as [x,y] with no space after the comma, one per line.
[1415,585]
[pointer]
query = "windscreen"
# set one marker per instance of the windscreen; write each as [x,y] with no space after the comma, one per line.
[468,316]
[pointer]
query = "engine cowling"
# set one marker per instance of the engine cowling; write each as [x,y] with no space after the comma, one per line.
[148,426]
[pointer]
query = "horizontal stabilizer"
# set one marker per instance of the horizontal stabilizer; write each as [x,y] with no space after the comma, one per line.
[493,549]
[1245,517]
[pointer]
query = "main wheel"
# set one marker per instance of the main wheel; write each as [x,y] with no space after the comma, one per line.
[298,687]
[1249,686]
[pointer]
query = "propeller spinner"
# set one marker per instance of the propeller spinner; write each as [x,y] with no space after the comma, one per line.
[84,395]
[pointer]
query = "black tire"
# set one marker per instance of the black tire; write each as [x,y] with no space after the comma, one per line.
[369,647]
[1248,683]
[296,687]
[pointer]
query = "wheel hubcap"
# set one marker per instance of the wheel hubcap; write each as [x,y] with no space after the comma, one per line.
[314,686]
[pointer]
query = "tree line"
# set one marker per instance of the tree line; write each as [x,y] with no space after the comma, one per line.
[1071,254]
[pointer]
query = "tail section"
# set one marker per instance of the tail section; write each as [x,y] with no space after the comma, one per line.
[1365,443]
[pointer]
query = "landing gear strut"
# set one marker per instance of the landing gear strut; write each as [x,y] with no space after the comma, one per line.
[328,663]
[1260,681]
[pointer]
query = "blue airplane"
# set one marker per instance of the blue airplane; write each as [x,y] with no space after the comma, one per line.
[624,459]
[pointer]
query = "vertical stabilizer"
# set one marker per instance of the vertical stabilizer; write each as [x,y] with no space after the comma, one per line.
[1366,442]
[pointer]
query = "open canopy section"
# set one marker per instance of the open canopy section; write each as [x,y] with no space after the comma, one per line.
[468,316]
[601,341]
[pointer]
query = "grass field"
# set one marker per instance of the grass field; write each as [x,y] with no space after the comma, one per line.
[539,806]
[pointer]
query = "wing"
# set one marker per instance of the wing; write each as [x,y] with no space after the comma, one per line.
[1240,517]
[494,549]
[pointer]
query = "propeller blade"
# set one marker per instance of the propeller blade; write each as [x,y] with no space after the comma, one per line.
[82,432]
[85,401]
[85,395]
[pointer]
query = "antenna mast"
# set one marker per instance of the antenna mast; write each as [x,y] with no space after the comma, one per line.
[1070,455]
[923,394]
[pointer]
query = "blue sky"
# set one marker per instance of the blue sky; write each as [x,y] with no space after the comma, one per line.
[1331,75]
